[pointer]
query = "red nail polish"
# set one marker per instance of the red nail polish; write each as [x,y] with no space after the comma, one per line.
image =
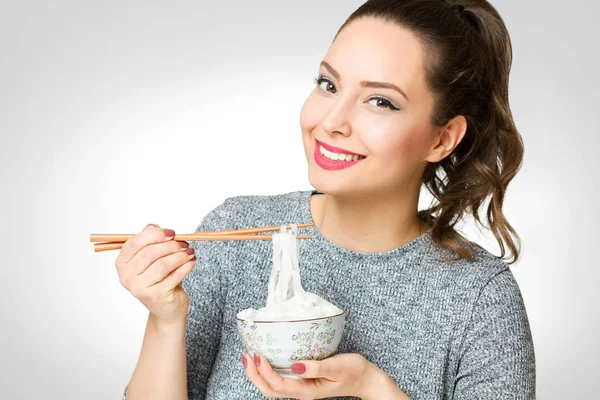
[256,359]
[298,368]
[169,232]
[244,362]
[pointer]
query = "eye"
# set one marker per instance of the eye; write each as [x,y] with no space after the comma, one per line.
[385,102]
[380,100]
[320,80]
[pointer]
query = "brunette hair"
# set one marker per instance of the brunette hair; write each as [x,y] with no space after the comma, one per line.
[468,56]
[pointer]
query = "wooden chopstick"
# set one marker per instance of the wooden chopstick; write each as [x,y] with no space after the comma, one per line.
[116,241]
[118,245]
[250,230]
[122,238]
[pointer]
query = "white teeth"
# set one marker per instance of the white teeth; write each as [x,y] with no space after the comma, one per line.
[340,157]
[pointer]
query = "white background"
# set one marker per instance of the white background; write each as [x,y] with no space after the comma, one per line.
[114,115]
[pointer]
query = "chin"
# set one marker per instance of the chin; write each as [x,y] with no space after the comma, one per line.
[331,186]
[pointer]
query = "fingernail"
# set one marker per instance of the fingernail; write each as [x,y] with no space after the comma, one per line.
[244,362]
[257,359]
[169,233]
[183,245]
[298,368]
[190,252]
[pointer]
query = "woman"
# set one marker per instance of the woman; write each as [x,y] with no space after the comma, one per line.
[410,93]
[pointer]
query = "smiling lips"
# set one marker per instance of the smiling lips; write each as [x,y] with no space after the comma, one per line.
[334,158]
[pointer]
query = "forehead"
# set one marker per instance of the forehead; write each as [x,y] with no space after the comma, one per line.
[373,49]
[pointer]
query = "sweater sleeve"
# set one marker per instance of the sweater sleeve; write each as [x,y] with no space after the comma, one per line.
[204,316]
[497,359]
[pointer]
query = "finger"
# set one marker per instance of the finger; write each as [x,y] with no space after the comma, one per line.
[284,386]
[329,368]
[129,272]
[149,235]
[162,267]
[175,278]
[152,253]
[256,379]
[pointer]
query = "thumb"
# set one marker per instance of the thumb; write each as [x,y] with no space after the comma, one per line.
[328,368]
[154,225]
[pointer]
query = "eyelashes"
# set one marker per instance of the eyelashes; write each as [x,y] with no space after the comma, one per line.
[318,80]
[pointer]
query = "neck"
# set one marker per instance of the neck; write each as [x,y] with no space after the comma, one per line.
[367,224]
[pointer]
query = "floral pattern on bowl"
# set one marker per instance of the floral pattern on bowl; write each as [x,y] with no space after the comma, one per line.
[285,342]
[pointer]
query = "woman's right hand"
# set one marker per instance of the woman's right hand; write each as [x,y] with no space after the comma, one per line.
[152,269]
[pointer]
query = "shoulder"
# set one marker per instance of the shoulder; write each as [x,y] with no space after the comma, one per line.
[470,274]
[496,278]
[490,284]
[492,299]
[486,277]
[248,211]
[498,288]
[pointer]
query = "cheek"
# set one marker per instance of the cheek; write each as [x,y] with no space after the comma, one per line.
[310,114]
[397,144]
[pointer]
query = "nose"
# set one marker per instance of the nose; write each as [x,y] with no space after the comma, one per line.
[338,119]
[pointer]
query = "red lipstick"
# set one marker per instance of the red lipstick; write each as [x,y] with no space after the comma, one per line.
[333,165]
[336,149]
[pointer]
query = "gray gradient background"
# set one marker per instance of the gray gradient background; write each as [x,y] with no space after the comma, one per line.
[118,114]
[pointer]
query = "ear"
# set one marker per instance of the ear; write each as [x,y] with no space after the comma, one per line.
[447,138]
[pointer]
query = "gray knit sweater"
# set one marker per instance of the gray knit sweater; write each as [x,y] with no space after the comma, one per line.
[448,331]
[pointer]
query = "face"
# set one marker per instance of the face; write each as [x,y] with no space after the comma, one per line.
[390,129]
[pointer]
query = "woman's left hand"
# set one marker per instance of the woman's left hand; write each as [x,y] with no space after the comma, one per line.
[339,375]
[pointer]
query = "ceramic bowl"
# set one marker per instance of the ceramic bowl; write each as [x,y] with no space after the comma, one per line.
[285,342]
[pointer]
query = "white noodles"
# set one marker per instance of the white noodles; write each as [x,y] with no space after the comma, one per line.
[287,299]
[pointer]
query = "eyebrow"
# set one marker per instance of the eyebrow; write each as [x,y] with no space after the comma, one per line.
[372,84]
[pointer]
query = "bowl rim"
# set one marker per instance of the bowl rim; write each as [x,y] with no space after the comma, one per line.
[295,320]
